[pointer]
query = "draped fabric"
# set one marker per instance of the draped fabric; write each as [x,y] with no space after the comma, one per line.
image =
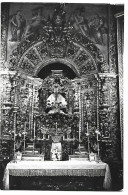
[107,179]
[58,168]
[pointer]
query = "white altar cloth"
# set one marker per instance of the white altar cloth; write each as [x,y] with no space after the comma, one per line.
[57,168]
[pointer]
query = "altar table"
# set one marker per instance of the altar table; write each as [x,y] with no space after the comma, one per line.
[57,168]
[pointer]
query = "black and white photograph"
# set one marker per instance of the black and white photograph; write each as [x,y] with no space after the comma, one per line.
[61,96]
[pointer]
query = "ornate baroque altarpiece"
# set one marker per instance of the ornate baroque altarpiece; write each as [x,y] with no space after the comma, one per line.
[59,105]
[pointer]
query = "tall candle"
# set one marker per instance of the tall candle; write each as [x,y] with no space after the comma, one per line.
[88,138]
[25,127]
[98,149]
[29,123]
[97,136]
[79,116]
[87,127]
[24,134]
[56,127]
[34,129]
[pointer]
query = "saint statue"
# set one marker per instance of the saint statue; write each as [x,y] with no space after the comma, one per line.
[56,102]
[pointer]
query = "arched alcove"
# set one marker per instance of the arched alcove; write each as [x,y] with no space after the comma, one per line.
[46,71]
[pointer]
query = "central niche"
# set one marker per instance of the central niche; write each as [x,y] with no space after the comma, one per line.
[58,107]
[57,96]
